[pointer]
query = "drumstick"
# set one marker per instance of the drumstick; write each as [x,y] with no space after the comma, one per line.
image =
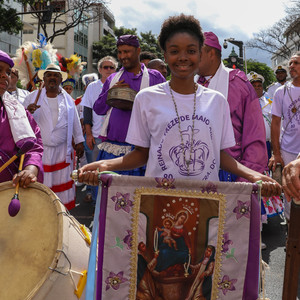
[39,92]
[23,149]
[14,205]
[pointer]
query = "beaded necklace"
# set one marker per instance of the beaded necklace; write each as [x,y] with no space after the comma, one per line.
[187,162]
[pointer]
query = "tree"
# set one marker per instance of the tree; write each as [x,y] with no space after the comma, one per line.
[262,69]
[66,15]
[10,21]
[107,45]
[274,39]
[149,43]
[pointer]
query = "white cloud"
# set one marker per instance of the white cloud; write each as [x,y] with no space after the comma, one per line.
[231,18]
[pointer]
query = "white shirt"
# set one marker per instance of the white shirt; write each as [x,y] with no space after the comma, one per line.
[154,125]
[89,98]
[266,107]
[53,104]
[283,106]
[272,89]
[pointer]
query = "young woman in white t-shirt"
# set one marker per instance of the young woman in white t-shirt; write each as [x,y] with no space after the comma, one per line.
[179,128]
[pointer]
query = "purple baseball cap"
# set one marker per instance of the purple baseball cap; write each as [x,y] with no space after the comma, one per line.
[212,40]
[6,58]
[128,39]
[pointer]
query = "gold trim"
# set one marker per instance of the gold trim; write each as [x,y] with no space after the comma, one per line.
[138,193]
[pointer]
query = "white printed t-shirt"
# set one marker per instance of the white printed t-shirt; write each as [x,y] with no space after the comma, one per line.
[154,125]
[283,106]
[89,98]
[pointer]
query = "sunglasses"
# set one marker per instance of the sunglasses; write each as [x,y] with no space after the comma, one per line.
[108,67]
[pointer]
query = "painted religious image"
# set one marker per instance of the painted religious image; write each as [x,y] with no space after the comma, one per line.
[176,254]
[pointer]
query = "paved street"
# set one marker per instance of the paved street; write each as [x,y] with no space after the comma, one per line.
[83,211]
[273,235]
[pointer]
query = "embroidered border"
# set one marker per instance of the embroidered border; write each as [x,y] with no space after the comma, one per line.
[114,148]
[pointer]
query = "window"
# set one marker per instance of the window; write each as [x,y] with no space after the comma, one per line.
[27,31]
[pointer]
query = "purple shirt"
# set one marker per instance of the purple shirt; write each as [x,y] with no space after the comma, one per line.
[8,148]
[248,124]
[247,121]
[119,119]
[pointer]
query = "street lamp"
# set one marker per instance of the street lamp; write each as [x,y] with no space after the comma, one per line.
[234,42]
[240,44]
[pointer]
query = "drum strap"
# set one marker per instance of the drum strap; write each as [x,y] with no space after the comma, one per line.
[144,83]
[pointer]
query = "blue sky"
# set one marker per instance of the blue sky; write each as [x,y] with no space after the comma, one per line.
[231,18]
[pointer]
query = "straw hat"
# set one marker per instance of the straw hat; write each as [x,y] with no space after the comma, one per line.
[52,68]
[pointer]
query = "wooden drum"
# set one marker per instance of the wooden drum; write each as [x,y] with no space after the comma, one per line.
[121,98]
[44,252]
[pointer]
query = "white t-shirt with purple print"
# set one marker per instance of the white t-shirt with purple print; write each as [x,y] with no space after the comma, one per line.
[154,125]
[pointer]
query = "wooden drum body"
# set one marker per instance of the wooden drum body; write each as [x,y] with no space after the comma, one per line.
[121,98]
[42,249]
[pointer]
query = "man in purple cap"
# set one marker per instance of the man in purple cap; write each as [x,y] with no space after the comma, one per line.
[134,75]
[19,134]
[245,111]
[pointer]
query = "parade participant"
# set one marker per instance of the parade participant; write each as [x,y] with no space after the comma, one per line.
[271,206]
[16,92]
[257,81]
[134,75]
[285,135]
[281,75]
[159,65]
[146,56]
[57,117]
[93,122]
[17,128]
[69,85]
[180,129]
[291,180]
[250,147]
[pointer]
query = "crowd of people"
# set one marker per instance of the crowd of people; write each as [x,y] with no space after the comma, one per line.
[204,107]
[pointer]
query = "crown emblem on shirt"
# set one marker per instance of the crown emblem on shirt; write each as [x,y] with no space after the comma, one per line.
[190,163]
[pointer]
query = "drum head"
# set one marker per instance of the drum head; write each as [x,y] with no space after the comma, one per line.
[121,98]
[28,241]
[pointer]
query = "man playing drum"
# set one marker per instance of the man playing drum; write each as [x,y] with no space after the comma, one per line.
[132,75]
[19,133]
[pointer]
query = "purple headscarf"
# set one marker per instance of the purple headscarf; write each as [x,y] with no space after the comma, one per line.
[6,58]
[128,39]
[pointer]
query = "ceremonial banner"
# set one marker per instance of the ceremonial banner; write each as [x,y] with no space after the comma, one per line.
[177,239]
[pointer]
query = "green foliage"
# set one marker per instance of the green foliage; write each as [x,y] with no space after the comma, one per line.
[9,20]
[107,45]
[262,69]
[122,31]
[149,42]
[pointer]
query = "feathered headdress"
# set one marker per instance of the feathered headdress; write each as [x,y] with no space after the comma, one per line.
[73,65]
[32,57]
